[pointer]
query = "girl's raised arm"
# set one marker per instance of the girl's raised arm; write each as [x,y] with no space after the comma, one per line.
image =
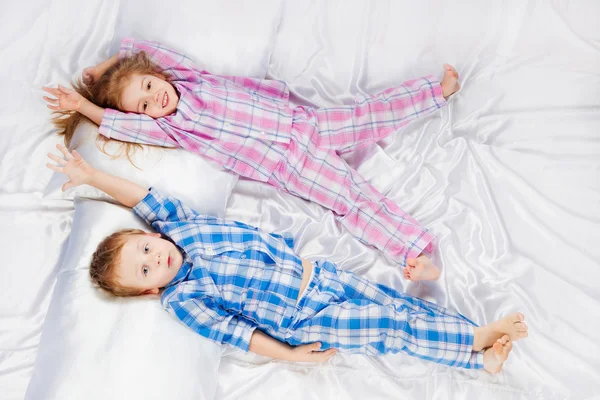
[91,75]
[69,100]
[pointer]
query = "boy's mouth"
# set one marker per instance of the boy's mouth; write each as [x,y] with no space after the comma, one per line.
[165,100]
[169,261]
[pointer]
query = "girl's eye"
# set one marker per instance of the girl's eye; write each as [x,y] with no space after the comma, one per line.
[145,105]
[146,249]
[149,85]
[145,271]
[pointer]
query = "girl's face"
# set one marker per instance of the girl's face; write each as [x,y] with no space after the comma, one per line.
[150,95]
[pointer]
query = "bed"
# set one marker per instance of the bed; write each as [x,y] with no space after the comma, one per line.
[507,176]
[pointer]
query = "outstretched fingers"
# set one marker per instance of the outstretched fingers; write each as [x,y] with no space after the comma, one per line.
[52,91]
[55,167]
[65,152]
[64,89]
[60,161]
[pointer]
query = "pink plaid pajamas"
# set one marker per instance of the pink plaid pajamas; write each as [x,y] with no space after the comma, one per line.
[313,169]
[246,125]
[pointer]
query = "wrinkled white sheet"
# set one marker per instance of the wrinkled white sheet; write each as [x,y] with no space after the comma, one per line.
[507,176]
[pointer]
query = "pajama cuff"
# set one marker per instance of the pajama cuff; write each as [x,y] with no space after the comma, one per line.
[423,243]
[472,359]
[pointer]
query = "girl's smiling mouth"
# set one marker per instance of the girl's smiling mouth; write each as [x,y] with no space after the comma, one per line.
[165,100]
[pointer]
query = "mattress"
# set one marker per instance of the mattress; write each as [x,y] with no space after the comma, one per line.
[507,176]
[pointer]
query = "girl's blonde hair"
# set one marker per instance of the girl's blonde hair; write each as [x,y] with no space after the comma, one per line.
[105,260]
[106,93]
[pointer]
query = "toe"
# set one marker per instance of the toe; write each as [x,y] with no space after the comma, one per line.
[497,347]
[521,326]
[522,335]
[519,316]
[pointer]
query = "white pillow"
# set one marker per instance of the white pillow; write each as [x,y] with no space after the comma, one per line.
[226,37]
[96,346]
[197,182]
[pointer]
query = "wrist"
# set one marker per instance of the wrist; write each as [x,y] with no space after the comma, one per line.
[92,177]
[81,105]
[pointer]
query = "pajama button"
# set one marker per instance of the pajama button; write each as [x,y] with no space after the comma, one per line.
[262,134]
[209,249]
[243,256]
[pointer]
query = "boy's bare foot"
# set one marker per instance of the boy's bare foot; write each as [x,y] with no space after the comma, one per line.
[512,325]
[450,81]
[494,356]
[420,269]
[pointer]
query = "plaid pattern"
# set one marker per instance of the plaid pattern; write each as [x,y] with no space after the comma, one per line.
[344,311]
[246,126]
[234,121]
[234,277]
[312,167]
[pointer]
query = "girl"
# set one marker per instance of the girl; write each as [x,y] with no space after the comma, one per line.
[149,94]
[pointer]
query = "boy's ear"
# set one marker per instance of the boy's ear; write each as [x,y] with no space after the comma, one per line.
[151,291]
[156,234]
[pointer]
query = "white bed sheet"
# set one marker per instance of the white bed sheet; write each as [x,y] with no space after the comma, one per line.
[507,176]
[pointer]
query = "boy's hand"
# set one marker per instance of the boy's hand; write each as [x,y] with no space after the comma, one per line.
[91,75]
[66,99]
[311,353]
[77,170]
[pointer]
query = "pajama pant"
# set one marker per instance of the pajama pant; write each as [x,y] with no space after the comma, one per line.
[345,311]
[312,168]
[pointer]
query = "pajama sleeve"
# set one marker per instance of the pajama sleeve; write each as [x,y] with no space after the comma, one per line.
[171,62]
[214,323]
[157,207]
[136,128]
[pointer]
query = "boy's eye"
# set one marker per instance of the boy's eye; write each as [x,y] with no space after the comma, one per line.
[146,249]
[145,105]
[145,271]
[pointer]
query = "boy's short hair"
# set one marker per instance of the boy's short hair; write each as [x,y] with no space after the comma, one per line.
[105,260]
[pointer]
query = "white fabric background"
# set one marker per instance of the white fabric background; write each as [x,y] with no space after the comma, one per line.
[507,176]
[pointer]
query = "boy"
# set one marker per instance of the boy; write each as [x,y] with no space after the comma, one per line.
[234,284]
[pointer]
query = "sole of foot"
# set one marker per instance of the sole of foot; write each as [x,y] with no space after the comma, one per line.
[449,82]
[513,325]
[420,269]
[495,356]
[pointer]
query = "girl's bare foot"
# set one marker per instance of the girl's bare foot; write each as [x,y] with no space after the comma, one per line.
[512,325]
[450,81]
[495,356]
[420,269]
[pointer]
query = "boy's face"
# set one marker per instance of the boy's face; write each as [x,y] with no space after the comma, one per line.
[150,95]
[148,262]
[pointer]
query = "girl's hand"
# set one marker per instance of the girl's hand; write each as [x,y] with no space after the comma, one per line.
[311,353]
[66,99]
[91,75]
[77,170]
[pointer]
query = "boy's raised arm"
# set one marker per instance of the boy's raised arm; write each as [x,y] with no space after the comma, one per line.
[80,172]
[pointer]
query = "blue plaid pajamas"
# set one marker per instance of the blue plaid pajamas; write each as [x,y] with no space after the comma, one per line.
[345,311]
[236,278]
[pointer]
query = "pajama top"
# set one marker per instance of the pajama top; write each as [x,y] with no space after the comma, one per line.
[234,277]
[234,121]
